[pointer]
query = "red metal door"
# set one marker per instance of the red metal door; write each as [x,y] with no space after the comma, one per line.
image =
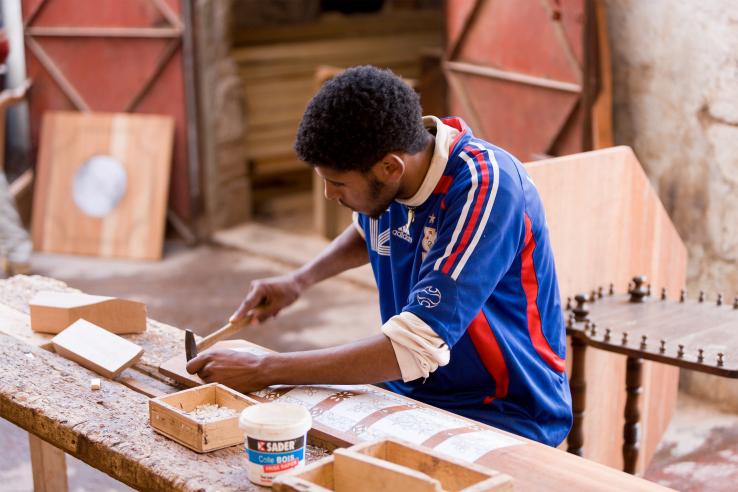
[515,70]
[111,56]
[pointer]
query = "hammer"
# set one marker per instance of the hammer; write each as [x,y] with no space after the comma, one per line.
[191,348]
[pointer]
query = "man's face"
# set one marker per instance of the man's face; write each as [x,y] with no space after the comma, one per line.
[365,193]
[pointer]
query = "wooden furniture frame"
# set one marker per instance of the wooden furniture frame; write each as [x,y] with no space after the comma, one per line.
[689,334]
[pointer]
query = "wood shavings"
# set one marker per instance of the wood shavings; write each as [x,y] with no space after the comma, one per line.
[210,412]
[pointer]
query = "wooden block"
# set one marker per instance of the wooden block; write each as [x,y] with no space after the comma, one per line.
[96,349]
[102,184]
[393,465]
[52,312]
[167,415]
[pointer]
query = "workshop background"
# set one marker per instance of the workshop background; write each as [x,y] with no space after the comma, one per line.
[231,79]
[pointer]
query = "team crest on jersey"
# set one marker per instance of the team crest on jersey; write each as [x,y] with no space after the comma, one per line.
[429,239]
[429,297]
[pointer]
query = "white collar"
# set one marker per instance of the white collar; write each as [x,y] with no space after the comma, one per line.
[445,135]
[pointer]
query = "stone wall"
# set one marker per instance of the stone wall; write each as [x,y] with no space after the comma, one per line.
[675,75]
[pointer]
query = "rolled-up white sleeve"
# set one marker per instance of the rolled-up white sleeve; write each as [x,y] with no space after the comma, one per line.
[419,350]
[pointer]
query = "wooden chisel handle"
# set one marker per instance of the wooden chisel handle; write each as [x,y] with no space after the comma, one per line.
[226,331]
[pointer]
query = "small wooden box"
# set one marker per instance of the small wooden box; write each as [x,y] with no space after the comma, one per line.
[167,416]
[392,466]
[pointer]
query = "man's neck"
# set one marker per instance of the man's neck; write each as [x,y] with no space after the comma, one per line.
[416,167]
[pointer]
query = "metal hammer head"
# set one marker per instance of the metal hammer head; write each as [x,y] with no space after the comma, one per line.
[190,345]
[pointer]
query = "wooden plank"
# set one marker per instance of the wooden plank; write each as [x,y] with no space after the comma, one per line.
[112,217]
[49,466]
[96,348]
[606,225]
[53,311]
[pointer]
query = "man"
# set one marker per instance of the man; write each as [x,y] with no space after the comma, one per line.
[456,235]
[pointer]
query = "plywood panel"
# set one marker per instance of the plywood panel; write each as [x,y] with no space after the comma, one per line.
[607,225]
[133,227]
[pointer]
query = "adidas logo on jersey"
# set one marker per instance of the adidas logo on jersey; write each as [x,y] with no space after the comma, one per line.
[402,234]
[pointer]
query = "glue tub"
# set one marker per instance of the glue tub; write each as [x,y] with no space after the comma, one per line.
[274,436]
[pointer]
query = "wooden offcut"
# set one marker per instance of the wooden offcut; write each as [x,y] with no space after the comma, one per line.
[96,349]
[134,228]
[392,465]
[167,415]
[52,312]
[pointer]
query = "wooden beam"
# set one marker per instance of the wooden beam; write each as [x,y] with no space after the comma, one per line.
[49,466]
[104,32]
[522,78]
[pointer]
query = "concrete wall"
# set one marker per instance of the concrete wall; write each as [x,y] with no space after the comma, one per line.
[675,74]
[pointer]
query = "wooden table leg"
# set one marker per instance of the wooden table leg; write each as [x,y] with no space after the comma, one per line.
[578,387]
[49,466]
[631,430]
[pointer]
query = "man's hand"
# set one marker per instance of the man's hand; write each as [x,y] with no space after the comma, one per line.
[241,371]
[267,297]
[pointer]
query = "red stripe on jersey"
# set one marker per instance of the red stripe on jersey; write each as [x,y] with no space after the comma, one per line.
[485,342]
[481,198]
[530,286]
[444,184]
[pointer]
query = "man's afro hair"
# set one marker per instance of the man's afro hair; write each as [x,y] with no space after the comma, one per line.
[357,118]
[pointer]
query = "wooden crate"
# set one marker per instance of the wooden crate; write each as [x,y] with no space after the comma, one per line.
[392,465]
[167,416]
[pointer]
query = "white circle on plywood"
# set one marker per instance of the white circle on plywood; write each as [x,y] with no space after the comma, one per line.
[99,185]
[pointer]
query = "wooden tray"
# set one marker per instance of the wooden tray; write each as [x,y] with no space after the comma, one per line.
[167,416]
[390,465]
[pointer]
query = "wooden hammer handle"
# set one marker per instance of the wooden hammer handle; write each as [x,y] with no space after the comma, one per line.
[226,331]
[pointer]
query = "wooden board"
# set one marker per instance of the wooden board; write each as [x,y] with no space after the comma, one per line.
[113,205]
[96,349]
[53,311]
[607,225]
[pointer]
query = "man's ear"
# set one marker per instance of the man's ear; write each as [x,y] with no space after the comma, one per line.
[391,167]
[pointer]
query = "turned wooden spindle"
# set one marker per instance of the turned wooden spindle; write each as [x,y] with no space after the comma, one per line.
[580,310]
[638,290]
[631,429]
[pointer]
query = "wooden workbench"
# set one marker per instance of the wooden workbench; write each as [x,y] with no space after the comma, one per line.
[49,397]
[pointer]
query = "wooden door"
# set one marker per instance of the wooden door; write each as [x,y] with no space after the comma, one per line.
[516,73]
[114,56]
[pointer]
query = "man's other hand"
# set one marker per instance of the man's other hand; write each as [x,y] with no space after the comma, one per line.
[267,297]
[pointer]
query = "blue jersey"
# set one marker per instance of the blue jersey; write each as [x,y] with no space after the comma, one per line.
[474,262]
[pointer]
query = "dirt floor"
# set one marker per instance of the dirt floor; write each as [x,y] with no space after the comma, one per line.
[199,288]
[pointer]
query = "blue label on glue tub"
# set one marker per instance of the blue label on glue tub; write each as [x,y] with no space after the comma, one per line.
[276,456]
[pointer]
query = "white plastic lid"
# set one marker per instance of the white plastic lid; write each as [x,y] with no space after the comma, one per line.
[275,421]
